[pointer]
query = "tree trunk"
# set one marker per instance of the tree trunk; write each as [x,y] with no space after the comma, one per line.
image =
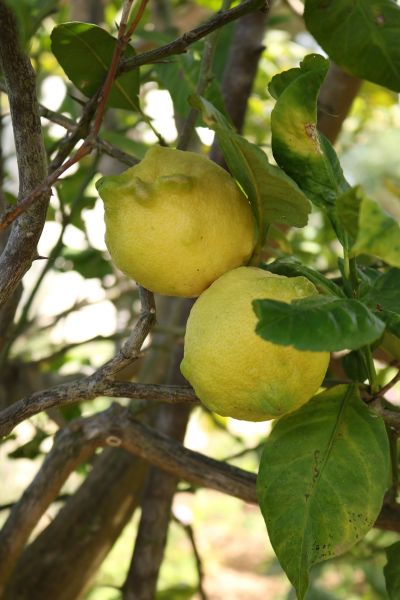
[141,583]
[60,563]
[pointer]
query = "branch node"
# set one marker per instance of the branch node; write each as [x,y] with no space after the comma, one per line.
[114,441]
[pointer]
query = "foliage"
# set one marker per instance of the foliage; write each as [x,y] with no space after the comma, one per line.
[329,214]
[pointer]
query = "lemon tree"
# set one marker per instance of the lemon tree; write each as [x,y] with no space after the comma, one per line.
[282,243]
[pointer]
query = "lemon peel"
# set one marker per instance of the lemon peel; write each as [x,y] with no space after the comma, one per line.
[176,221]
[233,371]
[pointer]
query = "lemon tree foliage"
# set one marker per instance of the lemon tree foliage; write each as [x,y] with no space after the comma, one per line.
[321,323]
[292,267]
[258,339]
[298,147]
[392,571]
[373,229]
[85,51]
[362,37]
[322,477]
[275,197]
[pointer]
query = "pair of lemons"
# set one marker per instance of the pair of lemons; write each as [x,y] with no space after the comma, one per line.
[179,225]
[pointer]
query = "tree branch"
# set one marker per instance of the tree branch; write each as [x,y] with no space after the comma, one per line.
[116,427]
[102,382]
[69,451]
[142,577]
[87,389]
[180,45]
[19,76]
[95,107]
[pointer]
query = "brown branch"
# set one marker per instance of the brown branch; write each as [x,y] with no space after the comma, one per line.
[131,349]
[87,389]
[117,428]
[188,529]
[99,101]
[19,77]
[65,556]
[391,417]
[336,96]
[101,145]
[181,44]
[69,451]
[158,495]
[241,68]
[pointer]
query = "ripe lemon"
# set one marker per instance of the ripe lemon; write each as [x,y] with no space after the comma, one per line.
[235,372]
[176,221]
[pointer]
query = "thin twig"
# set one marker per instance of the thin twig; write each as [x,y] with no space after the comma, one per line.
[188,529]
[384,390]
[99,101]
[205,79]
[101,145]
[180,44]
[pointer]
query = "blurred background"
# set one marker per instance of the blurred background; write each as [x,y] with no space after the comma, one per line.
[76,308]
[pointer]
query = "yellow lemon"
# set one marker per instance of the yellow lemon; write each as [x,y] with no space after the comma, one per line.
[233,371]
[176,221]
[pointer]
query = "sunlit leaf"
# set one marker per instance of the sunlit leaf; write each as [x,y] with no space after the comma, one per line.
[292,267]
[362,37]
[378,233]
[275,198]
[322,478]
[318,323]
[298,147]
[85,51]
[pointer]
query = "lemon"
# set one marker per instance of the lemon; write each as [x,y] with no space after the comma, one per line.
[176,222]
[233,371]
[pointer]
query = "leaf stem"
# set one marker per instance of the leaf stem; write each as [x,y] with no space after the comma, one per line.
[351,276]
[392,493]
[205,79]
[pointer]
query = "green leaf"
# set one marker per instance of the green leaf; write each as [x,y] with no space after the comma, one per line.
[299,149]
[354,367]
[275,198]
[321,482]
[391,320]
[362,37]
[384,292]
[392,571]
[88,263]
[292,267]
[177,592]
[180,78]
[30,449]
[348,208]
[85,51]
[378,233]
[317,323]
[30,14]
